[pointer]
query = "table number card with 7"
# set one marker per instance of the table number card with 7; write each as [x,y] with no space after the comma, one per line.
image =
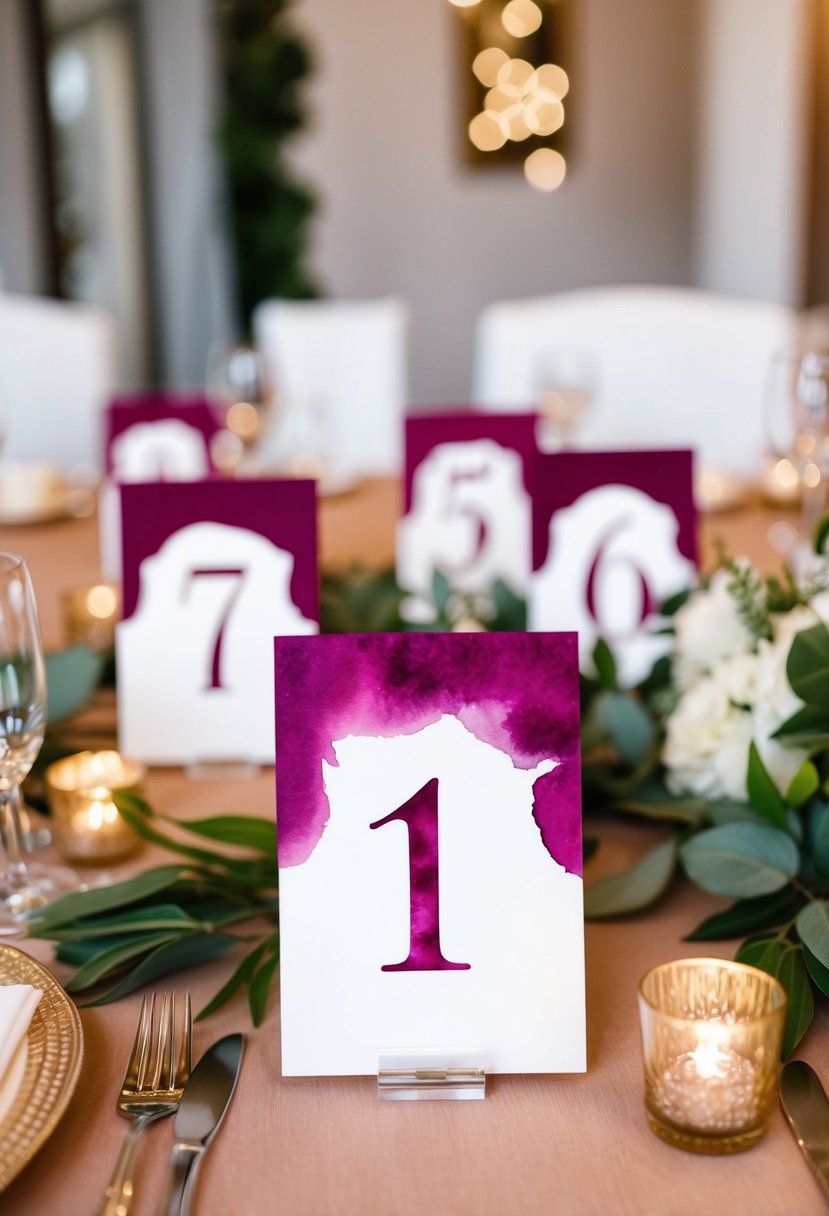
[212,572]
[468,510]
[429,838]
[614,536]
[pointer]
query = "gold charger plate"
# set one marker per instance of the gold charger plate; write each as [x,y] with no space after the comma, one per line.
[53,1065]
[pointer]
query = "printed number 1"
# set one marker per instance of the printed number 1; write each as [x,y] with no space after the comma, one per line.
[215,672]
[420,814]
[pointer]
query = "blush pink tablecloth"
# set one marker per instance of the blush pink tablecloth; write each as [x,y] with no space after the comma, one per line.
[573,1146]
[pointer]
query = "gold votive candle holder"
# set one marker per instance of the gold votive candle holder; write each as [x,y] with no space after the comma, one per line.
[87,826]
[711,1037]
[90,615]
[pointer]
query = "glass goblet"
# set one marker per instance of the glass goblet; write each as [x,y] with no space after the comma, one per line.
[565,385]
[22,727]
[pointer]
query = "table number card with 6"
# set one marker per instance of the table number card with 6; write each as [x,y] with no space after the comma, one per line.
[468,509]
[212,571]
[614,536]
[429,838]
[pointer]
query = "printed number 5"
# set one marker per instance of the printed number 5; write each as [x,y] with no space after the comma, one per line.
[215,669]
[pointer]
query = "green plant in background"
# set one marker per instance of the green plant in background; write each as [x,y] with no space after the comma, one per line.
[264,64]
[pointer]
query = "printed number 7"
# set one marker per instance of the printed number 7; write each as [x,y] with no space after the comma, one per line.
[215,680]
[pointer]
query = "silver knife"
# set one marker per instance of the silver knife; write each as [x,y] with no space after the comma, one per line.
[806,1107]
[203,1104]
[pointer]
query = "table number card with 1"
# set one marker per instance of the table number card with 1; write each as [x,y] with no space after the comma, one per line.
[212,571]
[613,538]
[429,836]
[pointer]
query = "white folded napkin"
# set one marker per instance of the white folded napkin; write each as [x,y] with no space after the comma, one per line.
[17,1004]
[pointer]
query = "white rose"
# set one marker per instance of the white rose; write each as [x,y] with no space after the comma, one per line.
[708,629]
[775,700]
[707,742]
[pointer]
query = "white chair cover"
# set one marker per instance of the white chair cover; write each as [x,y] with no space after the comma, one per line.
[58,367]
[676,366]
[347,358]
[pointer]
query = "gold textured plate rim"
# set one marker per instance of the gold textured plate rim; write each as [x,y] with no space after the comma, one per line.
[55,1052]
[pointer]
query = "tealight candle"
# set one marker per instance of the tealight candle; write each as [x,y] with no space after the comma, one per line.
[91,614]
[711,1035]
[86,824]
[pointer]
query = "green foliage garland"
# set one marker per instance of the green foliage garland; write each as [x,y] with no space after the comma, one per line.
[264,65]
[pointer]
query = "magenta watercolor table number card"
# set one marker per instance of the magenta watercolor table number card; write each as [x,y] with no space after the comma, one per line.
[430,856]
[614,536]
[150,438]
[468,508]
[212,571]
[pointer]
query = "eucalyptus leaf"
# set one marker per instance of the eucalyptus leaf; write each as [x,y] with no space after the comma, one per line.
[794,977]
[763,794]
[803,784]
[816,969]
[589,847]
[749,916]
[246,831]
[185,952]
[764,953]
[813,929]
[72,675]
[819,832]
[809,723]
[629,725]
[144,919]
[441,591]
[78,904]
[605,664]
[741,859]
[114,958]
[634,888]
[243,869]
[510,609]
[240,976]
[259,988]
[808,665]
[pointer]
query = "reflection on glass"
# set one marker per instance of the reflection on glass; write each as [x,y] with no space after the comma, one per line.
[565,384]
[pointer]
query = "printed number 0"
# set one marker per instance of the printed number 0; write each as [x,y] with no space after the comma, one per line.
[602,563]
[215,675]
[420,814]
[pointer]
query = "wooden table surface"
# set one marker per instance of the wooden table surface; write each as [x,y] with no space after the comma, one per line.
[570,1145]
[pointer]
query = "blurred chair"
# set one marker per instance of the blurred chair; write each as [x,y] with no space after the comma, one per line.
[345,361]
[58,367]
[676,366]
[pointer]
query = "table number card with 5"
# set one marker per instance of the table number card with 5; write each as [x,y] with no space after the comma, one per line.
[468,509]
[614,536]
[429,838]
[212,572]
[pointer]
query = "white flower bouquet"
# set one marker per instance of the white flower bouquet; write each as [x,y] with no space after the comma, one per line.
[729,739]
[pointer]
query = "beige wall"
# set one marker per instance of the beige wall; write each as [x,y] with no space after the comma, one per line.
[400,213]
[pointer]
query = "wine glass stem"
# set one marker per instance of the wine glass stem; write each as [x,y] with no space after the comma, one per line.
[10,828]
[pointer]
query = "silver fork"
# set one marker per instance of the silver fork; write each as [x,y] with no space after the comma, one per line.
[156,1075]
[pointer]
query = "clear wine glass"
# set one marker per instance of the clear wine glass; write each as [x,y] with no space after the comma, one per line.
[22,727]
[241,387]
[565,385]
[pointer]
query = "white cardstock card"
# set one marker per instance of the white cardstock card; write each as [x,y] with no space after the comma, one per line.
[613,539]
[212,572]
[468,506]
[429,836]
